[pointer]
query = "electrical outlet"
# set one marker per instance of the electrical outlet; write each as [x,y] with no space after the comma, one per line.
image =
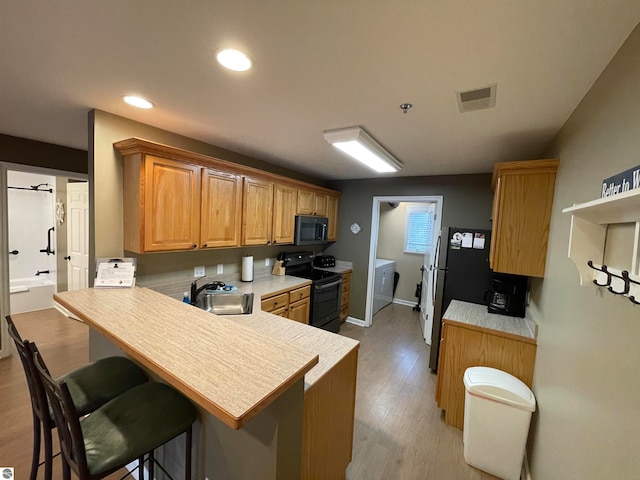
[267,262]
[220,269]
[198,272]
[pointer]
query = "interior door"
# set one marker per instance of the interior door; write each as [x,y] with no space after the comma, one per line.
[78,235]
[429,278]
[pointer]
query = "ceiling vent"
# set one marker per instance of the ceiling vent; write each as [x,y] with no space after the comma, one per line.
[477,99]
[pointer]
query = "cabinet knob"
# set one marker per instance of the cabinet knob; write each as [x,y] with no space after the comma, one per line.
[67,257]
[204,245]
[194,246]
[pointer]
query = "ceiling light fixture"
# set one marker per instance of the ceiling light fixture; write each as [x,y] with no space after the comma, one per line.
[354,141]
[234,60]
[137,101]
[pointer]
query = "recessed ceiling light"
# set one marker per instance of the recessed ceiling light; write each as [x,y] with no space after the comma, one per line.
[137,101]
[234,60]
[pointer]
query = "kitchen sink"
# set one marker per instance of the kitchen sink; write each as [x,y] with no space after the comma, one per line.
[226,303]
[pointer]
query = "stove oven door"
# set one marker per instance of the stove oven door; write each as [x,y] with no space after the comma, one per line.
[325,304]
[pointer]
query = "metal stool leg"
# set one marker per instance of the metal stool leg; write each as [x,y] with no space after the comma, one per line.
[152,470]
[35,459]
[48,451]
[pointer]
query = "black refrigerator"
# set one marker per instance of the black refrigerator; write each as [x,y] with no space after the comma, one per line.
[463,273]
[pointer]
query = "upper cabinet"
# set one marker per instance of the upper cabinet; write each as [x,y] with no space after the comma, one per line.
[179,200]
[221,209]
[311,203]
[161,205]
[523,197]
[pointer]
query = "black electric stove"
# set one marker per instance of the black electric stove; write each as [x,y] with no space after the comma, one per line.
[326,289]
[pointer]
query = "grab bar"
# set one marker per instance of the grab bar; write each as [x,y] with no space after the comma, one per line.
[48,250]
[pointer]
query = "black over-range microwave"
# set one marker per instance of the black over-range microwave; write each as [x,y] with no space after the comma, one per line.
[310,230]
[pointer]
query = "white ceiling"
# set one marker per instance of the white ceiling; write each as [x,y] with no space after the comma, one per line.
[319,65]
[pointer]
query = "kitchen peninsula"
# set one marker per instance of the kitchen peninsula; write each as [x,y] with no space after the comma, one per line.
[262,406]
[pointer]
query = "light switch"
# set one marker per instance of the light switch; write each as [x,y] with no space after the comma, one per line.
[267,262]
[220,269]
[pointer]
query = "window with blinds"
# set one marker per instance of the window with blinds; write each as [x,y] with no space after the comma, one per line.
[418,228]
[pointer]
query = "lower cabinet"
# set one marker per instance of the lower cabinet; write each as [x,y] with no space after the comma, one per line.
[346,295]
[294,304]
[464,346]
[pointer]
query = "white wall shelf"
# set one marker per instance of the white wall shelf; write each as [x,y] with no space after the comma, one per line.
[588,238]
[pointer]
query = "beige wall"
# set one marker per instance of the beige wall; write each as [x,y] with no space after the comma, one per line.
[391,247]
[586,374]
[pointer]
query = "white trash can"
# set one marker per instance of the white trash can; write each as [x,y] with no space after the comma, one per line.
[497,414]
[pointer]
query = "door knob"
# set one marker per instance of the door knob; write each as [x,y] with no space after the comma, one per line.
[67,257]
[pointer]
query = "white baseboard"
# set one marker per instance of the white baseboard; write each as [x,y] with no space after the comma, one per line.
[356,321]
[407,303]
[66,312]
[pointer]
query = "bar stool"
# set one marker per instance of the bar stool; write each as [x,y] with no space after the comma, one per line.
[121,431]
[90,387]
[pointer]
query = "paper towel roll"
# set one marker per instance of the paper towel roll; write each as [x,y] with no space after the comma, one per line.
[247,268]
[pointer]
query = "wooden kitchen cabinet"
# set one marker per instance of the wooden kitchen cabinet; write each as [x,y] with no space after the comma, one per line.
[269,212]
[346,295]
[332,215]
[311,203]
[294,304]
[161,205]
[284,213]
[258,211]
[523,197]
[221,209]
[180,200]
[463,346]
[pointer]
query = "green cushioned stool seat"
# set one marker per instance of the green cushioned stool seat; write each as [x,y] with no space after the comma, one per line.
[133,424]
[95,384]
[119,432]
[90,387]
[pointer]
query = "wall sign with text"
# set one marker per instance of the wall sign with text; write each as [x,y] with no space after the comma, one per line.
[621,182]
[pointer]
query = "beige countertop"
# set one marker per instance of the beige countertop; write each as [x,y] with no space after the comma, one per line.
[331,348]
[231,370]
[477,316]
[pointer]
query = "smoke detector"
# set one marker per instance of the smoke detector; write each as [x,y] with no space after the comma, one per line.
[477,99]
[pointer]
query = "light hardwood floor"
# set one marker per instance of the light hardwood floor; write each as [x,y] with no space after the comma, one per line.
[399,430]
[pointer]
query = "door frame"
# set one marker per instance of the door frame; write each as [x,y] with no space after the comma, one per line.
[373,242]
[5,305]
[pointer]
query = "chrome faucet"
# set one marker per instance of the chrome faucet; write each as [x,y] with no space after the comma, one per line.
[195,290]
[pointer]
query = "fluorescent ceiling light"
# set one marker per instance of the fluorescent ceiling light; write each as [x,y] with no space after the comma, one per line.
[234,60]
[137,101]
[358,144]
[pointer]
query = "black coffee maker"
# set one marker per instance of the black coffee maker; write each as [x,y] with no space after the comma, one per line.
[508,295]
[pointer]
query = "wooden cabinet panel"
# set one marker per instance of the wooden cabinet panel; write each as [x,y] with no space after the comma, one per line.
[521,215]
[299,293]
[462,347]
[305,202]
[221,209]
[284,213]
[258,210]
[346,295]
[329,415]
[332,215]
[171,205]
[276,302]
[320,204]
[299,311]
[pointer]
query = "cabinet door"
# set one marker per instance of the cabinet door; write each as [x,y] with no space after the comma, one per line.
[171,205]
[258,211]
[522,212]
[284,213]
[332,215]
[221,209]
[305,202]
[320,204]
[299,311]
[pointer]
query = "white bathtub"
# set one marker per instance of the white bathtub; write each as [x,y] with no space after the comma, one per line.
[29,294]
